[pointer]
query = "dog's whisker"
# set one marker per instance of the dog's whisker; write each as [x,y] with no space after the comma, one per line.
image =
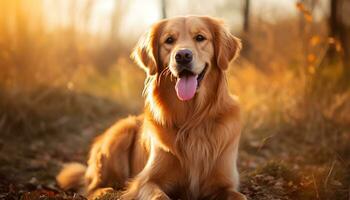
[168,73]
[162,73]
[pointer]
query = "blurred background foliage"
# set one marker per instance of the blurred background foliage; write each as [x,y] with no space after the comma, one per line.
[65,73]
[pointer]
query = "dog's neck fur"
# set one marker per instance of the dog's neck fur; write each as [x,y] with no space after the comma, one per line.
[165,108]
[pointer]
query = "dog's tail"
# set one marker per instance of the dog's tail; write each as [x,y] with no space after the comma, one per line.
[71,177]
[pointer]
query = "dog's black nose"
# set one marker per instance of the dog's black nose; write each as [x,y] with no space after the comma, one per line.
[183,56]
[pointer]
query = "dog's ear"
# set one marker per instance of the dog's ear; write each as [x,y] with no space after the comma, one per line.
[226,46]
[146,51]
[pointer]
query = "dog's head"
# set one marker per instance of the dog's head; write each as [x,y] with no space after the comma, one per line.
[190,48]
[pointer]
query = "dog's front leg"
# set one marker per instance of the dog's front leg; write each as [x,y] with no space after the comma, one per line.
[225,178]
[229,195]
[157,178]
[225,194]
[146,191]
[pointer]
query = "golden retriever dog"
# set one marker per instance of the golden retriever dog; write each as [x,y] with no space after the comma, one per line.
[184,145]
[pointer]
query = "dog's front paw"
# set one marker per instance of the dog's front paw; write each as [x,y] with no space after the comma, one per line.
[148,191]
[226,195]
[102,192]
[161,197]
[153,197]
[236,196]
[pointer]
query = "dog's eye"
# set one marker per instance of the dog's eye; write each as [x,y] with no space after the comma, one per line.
[170,40]
[200,38]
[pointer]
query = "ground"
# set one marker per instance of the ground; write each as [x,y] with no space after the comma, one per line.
[275,163]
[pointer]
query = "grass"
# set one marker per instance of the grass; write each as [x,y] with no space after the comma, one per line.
[298,133]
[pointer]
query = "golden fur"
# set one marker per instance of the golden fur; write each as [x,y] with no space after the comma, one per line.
[176,149]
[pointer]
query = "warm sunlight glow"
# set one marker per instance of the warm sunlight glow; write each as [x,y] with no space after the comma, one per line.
[66,76]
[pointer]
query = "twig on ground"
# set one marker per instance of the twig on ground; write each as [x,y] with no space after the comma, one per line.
[263,142]
[315,185]
[329,174]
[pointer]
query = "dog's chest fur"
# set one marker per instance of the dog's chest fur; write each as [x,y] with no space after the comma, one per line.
[200,149]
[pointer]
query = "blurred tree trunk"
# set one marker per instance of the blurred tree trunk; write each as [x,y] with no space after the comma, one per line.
[333,27]
[246,25]
[121,8]
[73,16]
[116,19]
[246,16]
[302,34]
[113,47]
[89,5]
[163,6]
[339,29]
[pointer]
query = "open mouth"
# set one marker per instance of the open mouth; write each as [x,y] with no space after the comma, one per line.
[187,84]
[201,75]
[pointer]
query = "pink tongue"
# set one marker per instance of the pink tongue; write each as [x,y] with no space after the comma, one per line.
[186,87]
